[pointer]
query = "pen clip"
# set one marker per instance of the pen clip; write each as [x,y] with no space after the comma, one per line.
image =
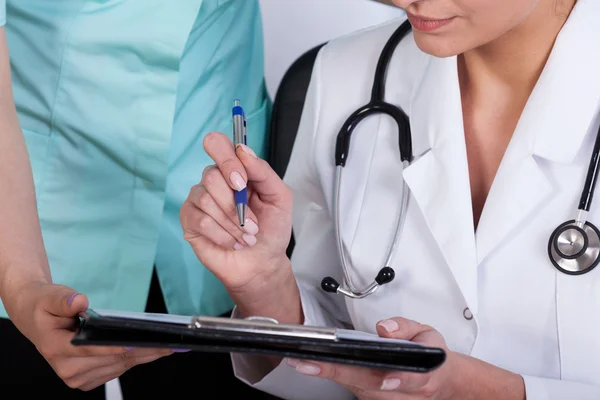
[244,131]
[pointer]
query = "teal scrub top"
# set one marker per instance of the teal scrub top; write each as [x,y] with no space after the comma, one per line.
[114,99]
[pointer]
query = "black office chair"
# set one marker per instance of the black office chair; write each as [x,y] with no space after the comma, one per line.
[287,110]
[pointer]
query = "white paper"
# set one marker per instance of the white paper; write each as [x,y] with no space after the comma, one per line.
[167,318]
[348,334]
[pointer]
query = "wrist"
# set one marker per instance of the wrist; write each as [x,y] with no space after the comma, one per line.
[458,384]
[275,295]
[19,300]
[15,282]
[471,378]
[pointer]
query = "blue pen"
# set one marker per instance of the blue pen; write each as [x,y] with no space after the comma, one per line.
[239,137]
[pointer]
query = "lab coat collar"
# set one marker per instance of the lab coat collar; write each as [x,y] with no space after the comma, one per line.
[563,104]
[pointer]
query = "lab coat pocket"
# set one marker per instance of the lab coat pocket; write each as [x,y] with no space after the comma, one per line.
[578,313]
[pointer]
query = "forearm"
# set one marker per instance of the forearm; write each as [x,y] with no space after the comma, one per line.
[22,255]
[476,379]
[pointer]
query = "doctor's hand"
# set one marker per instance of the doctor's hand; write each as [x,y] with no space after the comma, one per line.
[460,377]
[250,261]
[372,384]
[46,315]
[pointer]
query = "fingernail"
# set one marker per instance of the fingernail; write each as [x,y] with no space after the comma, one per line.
[250,227]
[250,239]
[129,348]
[389,325]
[390,384]
[181,350]
[70,300]
[237,180]
[307,369]
[247,150]
[238,246]
[292,362]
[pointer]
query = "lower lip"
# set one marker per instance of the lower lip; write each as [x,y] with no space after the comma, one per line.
[425,25]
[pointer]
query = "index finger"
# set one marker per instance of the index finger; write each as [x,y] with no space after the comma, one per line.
[220,148]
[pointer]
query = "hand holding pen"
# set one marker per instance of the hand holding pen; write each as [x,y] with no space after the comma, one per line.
[245,259]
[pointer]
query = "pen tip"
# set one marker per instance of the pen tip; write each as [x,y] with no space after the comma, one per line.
[241,212]
[237,103]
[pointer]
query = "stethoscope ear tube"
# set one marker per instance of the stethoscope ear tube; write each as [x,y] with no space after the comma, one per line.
[342,144]
[386,274]
[376,106]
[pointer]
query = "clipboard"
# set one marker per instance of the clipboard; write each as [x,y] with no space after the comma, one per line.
[254,335]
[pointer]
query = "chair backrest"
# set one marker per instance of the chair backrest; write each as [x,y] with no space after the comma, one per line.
[287,111]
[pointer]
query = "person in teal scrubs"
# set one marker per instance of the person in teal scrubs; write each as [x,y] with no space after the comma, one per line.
[103,110]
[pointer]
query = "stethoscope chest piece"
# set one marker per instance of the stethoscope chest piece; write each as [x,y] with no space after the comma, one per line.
[575,248]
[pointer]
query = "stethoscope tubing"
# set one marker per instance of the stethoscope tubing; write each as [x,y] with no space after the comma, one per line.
[351,290]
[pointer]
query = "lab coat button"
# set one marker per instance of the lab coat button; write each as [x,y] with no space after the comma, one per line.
[467,314]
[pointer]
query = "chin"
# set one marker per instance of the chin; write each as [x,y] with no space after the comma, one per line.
[437,46]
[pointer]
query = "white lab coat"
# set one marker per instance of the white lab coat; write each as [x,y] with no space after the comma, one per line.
[528,317]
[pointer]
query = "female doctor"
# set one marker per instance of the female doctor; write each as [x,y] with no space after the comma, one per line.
[503,101]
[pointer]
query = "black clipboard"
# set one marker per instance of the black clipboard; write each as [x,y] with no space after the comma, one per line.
[254,335]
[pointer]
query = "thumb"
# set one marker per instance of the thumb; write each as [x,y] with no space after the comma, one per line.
[401,328]
[265,181]
[66,302]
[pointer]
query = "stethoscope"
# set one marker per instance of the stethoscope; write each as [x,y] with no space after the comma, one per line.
[573,248]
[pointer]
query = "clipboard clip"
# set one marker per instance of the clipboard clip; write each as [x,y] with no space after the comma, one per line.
[220,323]
[262,319]
[258,325]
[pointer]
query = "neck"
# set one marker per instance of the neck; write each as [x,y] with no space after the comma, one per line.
[515,61]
